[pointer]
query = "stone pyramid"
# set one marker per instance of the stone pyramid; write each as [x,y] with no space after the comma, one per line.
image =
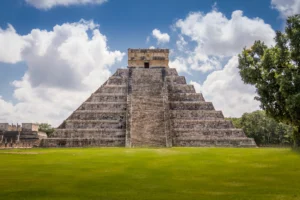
[147,105]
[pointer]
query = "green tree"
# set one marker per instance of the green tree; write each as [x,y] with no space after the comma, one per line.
[263,129]
[47,128]
[275,72]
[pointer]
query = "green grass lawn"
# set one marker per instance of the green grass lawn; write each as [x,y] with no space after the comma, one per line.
[141,174]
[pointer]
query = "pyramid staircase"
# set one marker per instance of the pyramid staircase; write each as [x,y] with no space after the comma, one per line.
[99,121]
[147,107]
[195,122]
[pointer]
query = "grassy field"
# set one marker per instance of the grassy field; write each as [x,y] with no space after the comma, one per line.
[141,174]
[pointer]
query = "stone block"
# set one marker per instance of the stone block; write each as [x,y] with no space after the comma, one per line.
[201,124]
[114,106]
[181,88]
[196,114]
[186,97]
[191,105]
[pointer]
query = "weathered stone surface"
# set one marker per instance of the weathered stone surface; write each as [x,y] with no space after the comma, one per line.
[181,88]
[196,114]
[205,133]
[71,142]
[175,80]
[153,106]
[121,106]
[186,97]
[103,97]
[98,115]
[115,89]
[240,142]
[191,105]
[89,133]
[25,136]
[147,124]
[200,124]
[152,57]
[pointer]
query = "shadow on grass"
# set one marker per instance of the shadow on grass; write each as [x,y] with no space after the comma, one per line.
[296,150]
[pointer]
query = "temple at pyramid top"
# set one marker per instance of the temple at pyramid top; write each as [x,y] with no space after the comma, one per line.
[148,58]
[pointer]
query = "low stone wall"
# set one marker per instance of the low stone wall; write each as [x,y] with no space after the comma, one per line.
[240,142]
[69,142]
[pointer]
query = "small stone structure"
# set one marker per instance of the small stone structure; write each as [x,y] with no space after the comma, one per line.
[148,104]
[148,58]
[16,136]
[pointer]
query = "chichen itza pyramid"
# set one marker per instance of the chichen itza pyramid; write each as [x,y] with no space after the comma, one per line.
[147,105]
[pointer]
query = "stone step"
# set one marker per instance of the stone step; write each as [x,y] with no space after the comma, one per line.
[140,104]
[98,115]
[117,80]
[181,88]
[141,107]
[89,133]
[108,97]
[201,124]
[83,142]
[230,142]
[175,80]
[196,114]
[122,73]
[147,99]
[114,106]
[186,97]
[114,89]
[147,90]
[191,105]
[95,124]
[171,72]
[209,133]
[29,136]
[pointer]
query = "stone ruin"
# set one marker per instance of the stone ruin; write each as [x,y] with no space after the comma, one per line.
[147,105]
[16,136]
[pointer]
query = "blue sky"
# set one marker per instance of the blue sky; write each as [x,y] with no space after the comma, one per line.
[196,54]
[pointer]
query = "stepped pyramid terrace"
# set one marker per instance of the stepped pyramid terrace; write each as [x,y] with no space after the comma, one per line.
[147,105]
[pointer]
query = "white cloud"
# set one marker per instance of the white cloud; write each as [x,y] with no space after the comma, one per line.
[179,64]
[216,37]
[6,109]
[197,86]
[287,7]
[65,66]
[161,37]
[148,39]
[48,4]
[152,47]
[11,45]
[227,91]
[181,43]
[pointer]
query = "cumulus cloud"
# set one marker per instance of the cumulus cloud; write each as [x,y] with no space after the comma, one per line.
[181,43]
[11,45]
[208,40]
[216,37]
[65,65]
[287,7]
[227,91]
[179,64]
[161,37]
[48,4]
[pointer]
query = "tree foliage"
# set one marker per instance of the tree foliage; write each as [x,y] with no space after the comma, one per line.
[47,128]
[275,72]
[264,130]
